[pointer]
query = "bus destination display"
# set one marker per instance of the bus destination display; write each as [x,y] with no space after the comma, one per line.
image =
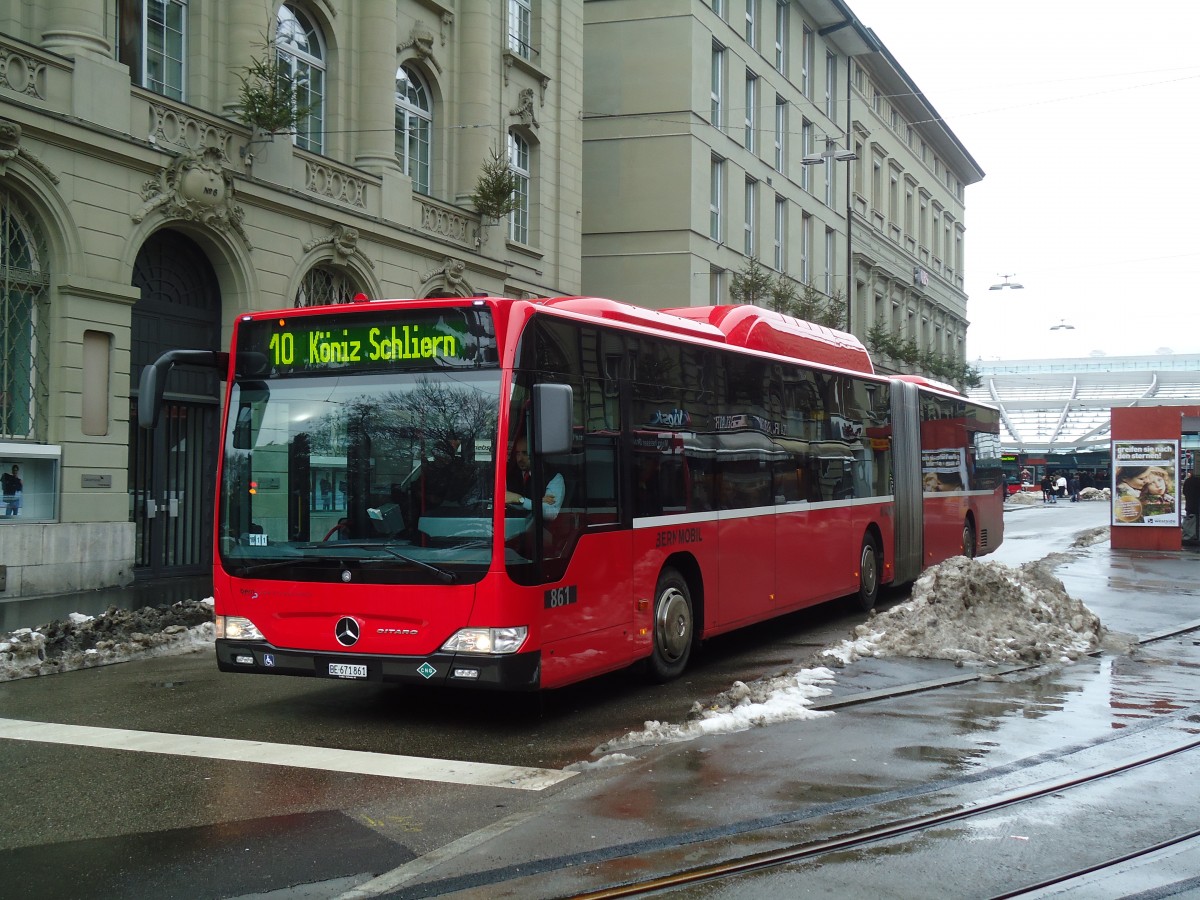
[425,339]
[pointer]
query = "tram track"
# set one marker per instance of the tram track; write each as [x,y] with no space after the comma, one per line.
[561,876]
[863,838]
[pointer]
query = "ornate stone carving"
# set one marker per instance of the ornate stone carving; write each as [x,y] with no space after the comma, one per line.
[524,109]
[194,187]
[10,149]
[187,133]
[442,222]
[335,184]
[22,74]
[420,39]
[450,276]
[343,239]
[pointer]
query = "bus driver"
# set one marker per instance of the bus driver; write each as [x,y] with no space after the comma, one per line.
[519,484]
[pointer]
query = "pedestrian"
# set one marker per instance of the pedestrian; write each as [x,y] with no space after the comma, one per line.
[1047,488]
[1060,486]
[1074,487]
[12,487]
[1191,500]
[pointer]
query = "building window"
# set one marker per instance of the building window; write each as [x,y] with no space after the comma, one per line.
[520,28]
[780,233]
[781,34]
[830,249]
[751,110]
[152,41]
[719,7]
[831,86]
[716,189]
[752,23]
[298,44]
[806,149]
[806,61]
[323,285]
[519,159]
[805,248]
[751,212]
[831,174]
[717,90]
[716,286]
[24,342]
[414,125]
[780,133]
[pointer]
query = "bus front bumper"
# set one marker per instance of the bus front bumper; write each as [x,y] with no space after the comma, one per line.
[518,672]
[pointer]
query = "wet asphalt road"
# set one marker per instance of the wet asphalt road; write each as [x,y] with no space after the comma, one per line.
[84,822]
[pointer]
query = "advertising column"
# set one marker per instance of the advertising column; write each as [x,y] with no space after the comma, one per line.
[1145,483]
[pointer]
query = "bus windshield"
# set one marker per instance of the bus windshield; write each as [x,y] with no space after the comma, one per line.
[387,477]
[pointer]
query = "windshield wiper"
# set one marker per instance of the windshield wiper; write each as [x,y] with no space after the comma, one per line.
[444,575]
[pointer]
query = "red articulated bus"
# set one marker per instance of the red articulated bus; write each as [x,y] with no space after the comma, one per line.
[517,495]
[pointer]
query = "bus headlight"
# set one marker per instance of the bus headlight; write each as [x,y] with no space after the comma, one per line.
[237,628]
[487,640]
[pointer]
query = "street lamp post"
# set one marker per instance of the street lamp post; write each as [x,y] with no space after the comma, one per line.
[832,153]
[1007,284]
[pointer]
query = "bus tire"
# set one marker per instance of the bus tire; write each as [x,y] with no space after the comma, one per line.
[674,626]
[968,539]
[869,568]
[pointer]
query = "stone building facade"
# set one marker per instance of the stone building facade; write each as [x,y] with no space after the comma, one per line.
[139,214]
[718,130]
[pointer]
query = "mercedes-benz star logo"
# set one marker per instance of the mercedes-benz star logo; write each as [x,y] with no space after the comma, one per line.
[346,631]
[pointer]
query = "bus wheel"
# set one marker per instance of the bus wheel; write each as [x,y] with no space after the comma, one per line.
[968,539]
[868,574]
[674,627]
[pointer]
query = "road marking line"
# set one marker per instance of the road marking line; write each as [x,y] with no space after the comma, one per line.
[357,762]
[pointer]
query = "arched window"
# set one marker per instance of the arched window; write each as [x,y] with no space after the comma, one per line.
[324,285]
[298,44]
[414,125]
[519,159]
[24,343]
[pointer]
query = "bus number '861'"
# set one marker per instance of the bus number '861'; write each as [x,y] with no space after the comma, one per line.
[560,596]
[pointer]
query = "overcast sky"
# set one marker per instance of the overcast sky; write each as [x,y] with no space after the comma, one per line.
[1083,117]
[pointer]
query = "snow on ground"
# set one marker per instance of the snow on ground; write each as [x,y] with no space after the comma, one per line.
[970,611]
[117,635]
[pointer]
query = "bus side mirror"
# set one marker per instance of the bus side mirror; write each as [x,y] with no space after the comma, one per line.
[553,406]
[154,378]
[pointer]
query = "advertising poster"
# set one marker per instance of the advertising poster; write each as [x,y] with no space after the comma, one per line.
[1145,480]
[944,470]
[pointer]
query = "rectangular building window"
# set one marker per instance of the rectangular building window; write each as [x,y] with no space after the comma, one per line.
[752,23]
[806,149]
[751,213]
[751,111]
[830,262]
[805,248]
[780,233]
[520,27]
[518,158]
[717,88]
[808,39]
[781,36]
[716,286]
[152,41]
[716,188]
[780,134]
[831,86]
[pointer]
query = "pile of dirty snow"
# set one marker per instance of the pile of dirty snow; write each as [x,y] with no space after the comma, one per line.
[966,610]
[781,698]
[1030,498]
[117,635]
[982,613]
